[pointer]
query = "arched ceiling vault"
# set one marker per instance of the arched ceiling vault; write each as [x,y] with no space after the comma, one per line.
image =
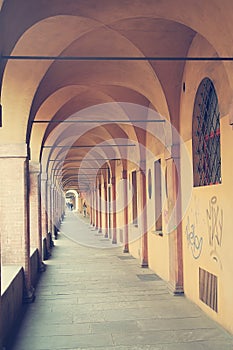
[55,91]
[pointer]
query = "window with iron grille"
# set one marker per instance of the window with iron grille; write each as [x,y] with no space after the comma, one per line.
[206,136]
[208,289]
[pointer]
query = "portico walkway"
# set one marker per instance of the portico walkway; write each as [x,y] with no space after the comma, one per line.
[99,298]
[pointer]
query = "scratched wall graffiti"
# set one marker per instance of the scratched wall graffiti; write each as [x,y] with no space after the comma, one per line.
[215,227]
[195,242]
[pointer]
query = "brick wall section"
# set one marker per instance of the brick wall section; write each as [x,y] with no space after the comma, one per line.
[12,199]
[14,208]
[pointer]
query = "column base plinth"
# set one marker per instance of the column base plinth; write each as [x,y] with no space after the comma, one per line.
[175,290]
[29,296]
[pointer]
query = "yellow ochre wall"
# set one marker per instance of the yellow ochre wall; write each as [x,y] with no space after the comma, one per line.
[158,253]
[210,215]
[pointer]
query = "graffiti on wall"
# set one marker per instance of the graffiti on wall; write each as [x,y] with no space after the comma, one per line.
[194,241]
[215,227]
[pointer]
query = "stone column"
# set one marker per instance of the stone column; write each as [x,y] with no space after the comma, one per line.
[100,209]
[50,215]
[62,206]
[114,221]
[91,213]
[55,211]
[175,283]
[44,216]
[49,190]
[35,211]
[80,209]
[126,219]
[59,207]
[52,208]
[106,208]
[56,206]
[96,209]
[14,207]
[143,215]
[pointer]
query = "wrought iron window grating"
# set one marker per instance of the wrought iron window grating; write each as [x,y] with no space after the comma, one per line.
[206,136]
[208,289]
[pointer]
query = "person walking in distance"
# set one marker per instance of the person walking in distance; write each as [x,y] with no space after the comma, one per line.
[84,209]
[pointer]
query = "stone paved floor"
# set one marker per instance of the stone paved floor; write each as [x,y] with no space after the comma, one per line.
[98,298]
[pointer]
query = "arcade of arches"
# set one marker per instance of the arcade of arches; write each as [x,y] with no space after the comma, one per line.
[126,106]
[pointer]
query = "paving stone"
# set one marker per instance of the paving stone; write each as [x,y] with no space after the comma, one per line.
[89,298]
[175,323]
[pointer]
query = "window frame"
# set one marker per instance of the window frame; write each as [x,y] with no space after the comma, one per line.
[206,148]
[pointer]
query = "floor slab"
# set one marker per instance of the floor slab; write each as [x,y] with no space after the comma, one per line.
[91,298]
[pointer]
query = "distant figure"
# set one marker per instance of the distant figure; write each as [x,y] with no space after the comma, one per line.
[84,209]
[71,206]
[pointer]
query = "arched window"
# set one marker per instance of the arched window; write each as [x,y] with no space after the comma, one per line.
[206,136]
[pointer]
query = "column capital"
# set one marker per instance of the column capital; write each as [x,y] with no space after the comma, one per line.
[34,167]
[14,150]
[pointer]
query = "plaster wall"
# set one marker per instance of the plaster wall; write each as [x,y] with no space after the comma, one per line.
[158,249]
[207,238]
